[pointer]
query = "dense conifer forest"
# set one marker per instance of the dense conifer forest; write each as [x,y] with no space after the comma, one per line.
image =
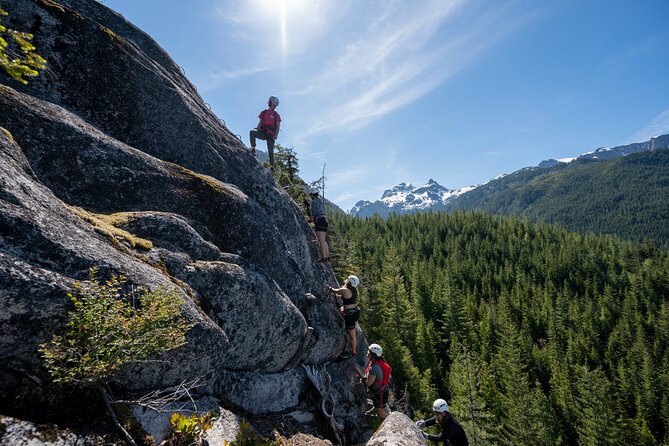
[535,335]
[627,196]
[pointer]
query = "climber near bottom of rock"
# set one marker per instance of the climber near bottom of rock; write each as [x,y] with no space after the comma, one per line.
[450,430]
[377,379]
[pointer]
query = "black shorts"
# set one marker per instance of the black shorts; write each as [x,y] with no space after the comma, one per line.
[321,224]
[351,317]
[379,399]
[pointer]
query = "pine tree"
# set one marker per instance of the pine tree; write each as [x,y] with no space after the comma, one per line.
[398,313]
[597,422]
[525,415]
[467,402]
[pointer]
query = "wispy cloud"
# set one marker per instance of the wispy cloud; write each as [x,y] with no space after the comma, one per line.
[212,80]
[347,176]
[402,55]
[355,61]
[658,126]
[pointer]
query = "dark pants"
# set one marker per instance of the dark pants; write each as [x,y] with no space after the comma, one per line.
[260,134]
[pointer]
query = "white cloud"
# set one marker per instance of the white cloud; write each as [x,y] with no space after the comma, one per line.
[342,178]
[402,55]
[212,80]
[658,126]
[343,64]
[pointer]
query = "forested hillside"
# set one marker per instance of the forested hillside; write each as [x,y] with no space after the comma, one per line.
[536,336]
[626,196]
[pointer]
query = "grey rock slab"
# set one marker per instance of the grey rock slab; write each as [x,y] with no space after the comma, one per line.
[397,430]
[264,328]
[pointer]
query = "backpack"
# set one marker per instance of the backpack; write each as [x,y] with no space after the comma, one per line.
[385,368]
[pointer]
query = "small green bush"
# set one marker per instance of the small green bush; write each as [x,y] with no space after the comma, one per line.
[108,328]
[188,431]
[17,54]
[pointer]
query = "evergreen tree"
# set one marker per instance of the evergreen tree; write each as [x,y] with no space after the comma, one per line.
[597,422]
[525,411]
[467,402]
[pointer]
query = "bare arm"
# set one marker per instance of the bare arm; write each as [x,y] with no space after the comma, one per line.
[342,292]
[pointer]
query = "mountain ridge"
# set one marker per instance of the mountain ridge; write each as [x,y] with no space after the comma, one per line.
[405,198]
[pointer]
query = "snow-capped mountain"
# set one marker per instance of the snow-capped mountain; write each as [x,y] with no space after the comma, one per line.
[406,199]
[607,153]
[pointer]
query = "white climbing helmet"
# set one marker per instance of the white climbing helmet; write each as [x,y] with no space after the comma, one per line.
[274,100]
[354,281]
[376,349]
[440,406]
[313,190]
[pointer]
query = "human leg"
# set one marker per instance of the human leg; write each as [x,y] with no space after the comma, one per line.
[379,399]
[270,150]
[351,333]
[322,241]
[351,316]
[381,408]
[253,134]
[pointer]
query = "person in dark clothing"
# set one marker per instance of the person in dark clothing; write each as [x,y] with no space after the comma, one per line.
[350,310]
[451,432]
[317,210]
[267,129]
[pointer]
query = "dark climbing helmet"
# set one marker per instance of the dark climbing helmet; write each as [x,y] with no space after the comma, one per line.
[274,100]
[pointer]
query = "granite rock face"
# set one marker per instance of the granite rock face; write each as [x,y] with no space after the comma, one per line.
[114,130]
[397,430]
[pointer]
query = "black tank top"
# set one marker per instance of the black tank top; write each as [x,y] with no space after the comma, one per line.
[353,299]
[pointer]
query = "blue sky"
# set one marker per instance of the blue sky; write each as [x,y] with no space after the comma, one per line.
[386,91]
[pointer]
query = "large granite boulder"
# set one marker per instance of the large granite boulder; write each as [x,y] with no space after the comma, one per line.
[114,132]
[397,430]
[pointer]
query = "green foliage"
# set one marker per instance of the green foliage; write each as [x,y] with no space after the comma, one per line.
[17,54]
[247,437]
[108,328]
[529,331]
[188,431]
[286,168]
[468,402]
[624,196]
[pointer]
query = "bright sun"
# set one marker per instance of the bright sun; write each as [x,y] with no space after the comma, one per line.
[284,13]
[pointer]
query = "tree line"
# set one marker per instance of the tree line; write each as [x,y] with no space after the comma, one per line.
[535,335]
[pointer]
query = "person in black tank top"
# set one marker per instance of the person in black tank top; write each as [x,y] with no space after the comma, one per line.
[350,310]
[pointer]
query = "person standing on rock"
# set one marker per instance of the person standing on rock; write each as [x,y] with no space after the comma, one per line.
[349,309]
[377,379]
[451,432]
[317,209]
[267,129]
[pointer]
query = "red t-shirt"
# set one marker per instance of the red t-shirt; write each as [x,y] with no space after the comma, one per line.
[269,120]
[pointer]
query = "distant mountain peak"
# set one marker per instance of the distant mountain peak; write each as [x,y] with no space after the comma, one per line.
[605,153]
[405,199]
